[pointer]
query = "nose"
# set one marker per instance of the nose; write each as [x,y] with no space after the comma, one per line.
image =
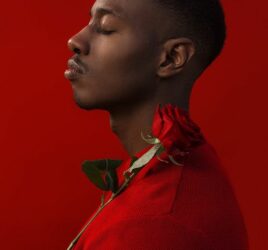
[79,43]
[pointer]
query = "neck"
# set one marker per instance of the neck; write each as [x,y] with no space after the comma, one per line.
[127,122]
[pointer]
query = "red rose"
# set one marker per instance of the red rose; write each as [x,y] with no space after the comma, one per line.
[176,131]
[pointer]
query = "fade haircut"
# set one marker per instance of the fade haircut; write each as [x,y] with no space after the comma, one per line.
[202,21]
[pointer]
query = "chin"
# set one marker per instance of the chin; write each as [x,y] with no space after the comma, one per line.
[81,103]
[89,105]
[84,105]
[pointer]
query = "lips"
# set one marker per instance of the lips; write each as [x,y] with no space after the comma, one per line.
[74,70]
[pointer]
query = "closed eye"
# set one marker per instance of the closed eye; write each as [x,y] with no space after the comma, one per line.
[103,31]
[98,29]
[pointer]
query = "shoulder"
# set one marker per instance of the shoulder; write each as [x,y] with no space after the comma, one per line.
[186,208]
[207,202]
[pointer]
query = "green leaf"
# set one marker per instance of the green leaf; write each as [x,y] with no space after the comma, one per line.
[94,174]
[112,180]
[105,164]
[102,173]
[111,174]
[145,158]
[113,164]
[133,159]
[160,150]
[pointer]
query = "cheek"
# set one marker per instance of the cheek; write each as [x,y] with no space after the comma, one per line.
[120,71]
[123,60]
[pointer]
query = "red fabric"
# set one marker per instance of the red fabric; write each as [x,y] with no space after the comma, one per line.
[166,206]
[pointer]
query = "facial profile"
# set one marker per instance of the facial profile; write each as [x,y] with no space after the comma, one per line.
[115,56]
[128,52]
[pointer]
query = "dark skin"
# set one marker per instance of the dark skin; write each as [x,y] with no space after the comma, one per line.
[131,66]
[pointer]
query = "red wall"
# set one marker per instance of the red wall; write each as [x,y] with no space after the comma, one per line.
[44,136]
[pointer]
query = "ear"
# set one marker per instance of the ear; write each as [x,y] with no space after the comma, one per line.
[174,56]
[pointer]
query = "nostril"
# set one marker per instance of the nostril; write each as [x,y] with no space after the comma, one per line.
[76,50]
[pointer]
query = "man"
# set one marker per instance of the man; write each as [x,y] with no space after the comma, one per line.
[139,60]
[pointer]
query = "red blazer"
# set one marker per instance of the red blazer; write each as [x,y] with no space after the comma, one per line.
[171,207]
[166,207]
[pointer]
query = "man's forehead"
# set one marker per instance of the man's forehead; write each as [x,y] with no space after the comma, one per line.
[122,8]
[109,6]
[143,15]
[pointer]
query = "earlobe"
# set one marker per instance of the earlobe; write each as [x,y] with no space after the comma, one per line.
[175,55]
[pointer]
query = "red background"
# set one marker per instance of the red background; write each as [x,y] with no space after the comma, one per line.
[44,136]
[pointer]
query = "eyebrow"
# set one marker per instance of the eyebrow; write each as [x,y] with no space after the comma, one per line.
[105,11]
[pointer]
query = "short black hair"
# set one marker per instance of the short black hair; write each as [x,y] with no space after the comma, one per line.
[203,22]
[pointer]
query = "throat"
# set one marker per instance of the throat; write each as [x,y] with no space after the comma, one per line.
[127,126]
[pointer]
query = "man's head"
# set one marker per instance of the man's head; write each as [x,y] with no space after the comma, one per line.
[132,50]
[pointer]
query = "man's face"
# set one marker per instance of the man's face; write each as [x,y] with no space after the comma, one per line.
[118,53]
